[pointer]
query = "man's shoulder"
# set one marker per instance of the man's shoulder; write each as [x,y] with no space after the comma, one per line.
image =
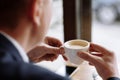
[39,72]
[26,71]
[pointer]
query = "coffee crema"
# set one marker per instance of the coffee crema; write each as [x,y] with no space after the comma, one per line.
[75,46]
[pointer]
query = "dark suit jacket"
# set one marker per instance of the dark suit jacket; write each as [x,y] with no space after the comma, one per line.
[12,67]
[114,78]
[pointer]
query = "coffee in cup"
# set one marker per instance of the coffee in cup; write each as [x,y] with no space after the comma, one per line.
[72,47]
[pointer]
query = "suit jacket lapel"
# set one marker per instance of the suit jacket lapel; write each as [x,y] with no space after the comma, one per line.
[7,46]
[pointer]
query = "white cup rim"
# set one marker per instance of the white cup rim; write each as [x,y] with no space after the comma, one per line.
[66,43]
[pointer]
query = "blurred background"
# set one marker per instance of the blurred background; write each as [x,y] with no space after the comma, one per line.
[105,29]
[106,11]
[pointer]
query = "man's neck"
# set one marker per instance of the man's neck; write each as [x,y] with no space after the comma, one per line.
[17,46]
[21,35]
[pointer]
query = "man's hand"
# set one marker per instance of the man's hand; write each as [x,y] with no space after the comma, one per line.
[49,50]
[103,59]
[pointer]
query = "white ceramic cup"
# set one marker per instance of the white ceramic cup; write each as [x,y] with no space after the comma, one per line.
[72,47]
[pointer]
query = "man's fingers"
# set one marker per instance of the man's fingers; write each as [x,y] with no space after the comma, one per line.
[54,42]
[91,64]
[65,58]
[97,54]
[88,57]
[98,48]
[50,57]
[54,50]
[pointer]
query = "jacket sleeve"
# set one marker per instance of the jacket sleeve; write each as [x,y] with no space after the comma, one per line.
[113,78]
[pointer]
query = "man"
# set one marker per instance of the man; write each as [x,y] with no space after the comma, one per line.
[23,26]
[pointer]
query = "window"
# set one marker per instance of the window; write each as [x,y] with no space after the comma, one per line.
[106,24]
[99,23]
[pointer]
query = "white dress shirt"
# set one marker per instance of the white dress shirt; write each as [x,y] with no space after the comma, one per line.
[23,54]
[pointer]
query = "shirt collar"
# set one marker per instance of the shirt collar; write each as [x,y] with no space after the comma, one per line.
[18,47]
